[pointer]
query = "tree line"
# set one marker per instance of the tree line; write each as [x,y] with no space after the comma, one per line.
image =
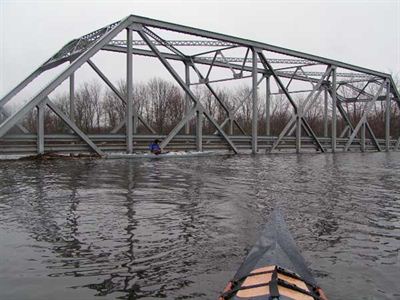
[162,105]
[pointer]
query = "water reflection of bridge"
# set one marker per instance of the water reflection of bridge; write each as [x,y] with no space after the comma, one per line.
[321,81]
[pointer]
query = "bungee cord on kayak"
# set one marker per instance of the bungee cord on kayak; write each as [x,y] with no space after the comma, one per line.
[274,269]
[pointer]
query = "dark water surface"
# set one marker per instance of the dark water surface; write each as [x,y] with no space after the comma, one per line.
[179,228]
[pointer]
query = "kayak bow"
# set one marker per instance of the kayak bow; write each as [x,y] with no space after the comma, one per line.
[273,269]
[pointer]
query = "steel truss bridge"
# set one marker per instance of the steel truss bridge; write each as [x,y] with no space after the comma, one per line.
[260,62]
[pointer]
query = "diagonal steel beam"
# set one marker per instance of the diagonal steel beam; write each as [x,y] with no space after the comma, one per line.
[342,111]
[345,129]
[212,51]
[244,61]
[106,80]
[291,77]
[304,123]
[235,122]
[374,139]
[72,125]
[350,126]
[191,63]
[184,86]
[222,80]
[201,77]
[228,63]
[306,76]
[162,42]
[199,60]
[178,127]
[238,126]
[241,103]
[221,131]
[226,108]
[140,118]
[20,86]
[119,126]
[360,92]
[268,67]
[302,120]
[6,115]
[119,95]
[307,109]
[363,117]
[50,65]
[42,94]
[248,43]
[344,114]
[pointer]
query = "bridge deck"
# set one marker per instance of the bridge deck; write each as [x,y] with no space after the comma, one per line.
[68,143]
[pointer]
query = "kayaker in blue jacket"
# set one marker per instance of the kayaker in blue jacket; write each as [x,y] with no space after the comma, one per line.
[155,147]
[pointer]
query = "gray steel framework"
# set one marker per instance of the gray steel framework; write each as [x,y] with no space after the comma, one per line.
[260,62]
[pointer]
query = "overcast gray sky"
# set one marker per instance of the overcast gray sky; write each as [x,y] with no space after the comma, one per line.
[365,33]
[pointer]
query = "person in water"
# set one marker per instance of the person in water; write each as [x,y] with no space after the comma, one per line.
[155,147]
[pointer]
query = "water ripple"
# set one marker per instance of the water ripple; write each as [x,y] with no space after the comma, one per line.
[179,229]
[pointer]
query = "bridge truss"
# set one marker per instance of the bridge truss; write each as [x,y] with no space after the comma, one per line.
[259,63]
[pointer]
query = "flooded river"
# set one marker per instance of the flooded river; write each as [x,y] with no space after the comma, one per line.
[179,228]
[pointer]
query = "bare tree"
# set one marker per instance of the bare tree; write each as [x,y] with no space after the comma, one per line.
[162,104]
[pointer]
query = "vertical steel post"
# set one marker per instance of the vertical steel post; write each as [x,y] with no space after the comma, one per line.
[199,130]
[40,128]
[72,97]
[231,126]
[325,112]
[387,117]
[255,104]
[267,105]
[334,103]
[187,97]
[135,114]
[129,100]
[363,137]
[298,130]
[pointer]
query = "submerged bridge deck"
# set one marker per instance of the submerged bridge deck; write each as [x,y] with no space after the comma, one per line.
[322,82]
[26,144]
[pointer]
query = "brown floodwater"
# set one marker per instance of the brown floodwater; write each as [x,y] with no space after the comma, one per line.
[179,228]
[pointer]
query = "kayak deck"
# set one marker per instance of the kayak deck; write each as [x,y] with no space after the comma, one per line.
[274,268]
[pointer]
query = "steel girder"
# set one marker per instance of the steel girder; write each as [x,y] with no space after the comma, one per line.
[85,41]
[198,106]
[225,62]
[80,50]
[202,79]
[185,43]
[349,127]
[116,92]
[72,125]
[249,43]
[6,115]
[299,113]
[41,96]
[363,119]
